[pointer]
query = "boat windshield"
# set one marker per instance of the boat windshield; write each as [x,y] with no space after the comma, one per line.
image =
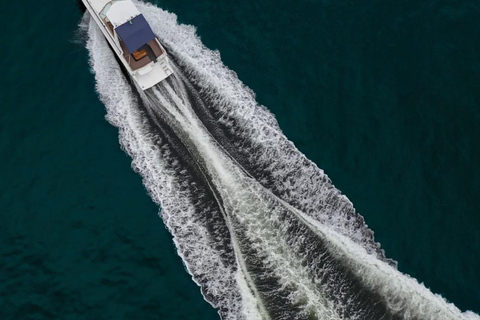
[103,13]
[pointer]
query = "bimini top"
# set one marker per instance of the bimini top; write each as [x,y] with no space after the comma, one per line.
[135,33]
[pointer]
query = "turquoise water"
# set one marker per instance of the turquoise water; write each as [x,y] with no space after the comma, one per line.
[384,98]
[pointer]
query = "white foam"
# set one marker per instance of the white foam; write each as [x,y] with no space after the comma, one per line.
[404,295]
[257,209]
[308,185]
[202,262]
[243,199]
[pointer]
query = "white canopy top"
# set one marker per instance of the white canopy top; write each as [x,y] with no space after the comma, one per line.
[121,12]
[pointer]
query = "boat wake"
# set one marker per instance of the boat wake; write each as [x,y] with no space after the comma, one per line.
[261,229]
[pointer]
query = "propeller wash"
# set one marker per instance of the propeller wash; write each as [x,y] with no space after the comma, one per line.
[261,229]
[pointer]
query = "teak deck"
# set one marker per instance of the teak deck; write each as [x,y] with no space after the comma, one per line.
[134,64]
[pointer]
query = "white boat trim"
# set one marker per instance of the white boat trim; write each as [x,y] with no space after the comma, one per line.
[99,5]
[121,12]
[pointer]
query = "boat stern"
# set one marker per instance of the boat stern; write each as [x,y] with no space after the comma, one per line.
[152,73]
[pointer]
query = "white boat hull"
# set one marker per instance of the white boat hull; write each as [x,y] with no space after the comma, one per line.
[145,77]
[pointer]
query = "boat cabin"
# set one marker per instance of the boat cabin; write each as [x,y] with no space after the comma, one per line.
[130,31]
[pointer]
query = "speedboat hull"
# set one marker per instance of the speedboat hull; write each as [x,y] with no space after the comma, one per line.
[132,40]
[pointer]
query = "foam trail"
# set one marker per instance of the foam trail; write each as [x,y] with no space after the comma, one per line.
[263,239]
[262,219]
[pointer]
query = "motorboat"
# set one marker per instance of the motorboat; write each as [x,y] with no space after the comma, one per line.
[131,37]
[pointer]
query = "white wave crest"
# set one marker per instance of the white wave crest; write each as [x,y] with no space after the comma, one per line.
[323,209]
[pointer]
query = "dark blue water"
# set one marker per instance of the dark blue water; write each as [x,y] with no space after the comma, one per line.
[383,96]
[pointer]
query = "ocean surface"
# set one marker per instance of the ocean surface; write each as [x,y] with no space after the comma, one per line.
[384,96]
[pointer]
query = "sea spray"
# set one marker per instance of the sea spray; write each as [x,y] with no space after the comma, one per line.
[269,216]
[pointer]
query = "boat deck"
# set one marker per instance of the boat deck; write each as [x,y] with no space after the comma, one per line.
[137,64]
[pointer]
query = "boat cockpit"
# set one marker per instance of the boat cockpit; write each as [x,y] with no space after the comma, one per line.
[131,32]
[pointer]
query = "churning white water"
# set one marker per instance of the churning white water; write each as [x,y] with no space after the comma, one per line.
[266,236]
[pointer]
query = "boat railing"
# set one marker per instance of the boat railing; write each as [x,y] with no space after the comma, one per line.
[96,17]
